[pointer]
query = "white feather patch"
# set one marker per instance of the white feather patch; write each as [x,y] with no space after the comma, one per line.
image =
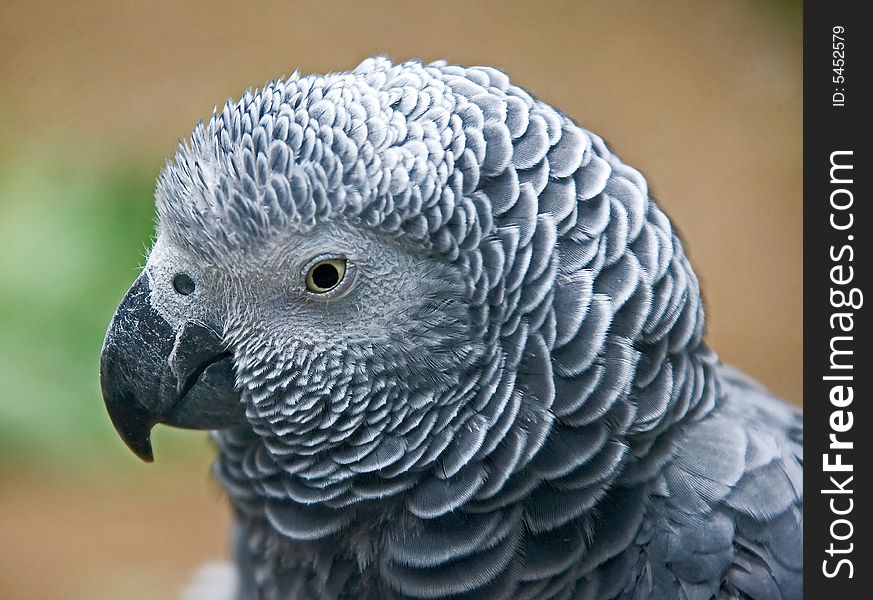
[212,581]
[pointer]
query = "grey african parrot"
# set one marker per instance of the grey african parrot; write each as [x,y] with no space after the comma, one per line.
[449,347]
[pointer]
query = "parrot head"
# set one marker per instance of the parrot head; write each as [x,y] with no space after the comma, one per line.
[372,265]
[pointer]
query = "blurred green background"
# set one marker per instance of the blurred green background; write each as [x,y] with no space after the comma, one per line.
[705,98]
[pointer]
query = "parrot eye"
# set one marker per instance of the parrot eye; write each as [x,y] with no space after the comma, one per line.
[183,284]
[325,274]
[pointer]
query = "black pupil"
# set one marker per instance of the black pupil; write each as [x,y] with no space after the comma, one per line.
[325,276]
[183,284]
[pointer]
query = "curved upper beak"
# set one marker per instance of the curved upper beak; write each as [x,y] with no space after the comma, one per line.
[152,373]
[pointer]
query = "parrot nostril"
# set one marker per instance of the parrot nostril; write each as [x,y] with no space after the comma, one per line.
[183,284]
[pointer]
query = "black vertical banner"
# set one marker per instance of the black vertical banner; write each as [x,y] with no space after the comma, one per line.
[838,224]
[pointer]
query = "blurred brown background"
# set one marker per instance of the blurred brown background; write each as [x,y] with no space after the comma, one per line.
[704,98]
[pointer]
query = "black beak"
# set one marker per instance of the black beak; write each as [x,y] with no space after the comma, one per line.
[151,373]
